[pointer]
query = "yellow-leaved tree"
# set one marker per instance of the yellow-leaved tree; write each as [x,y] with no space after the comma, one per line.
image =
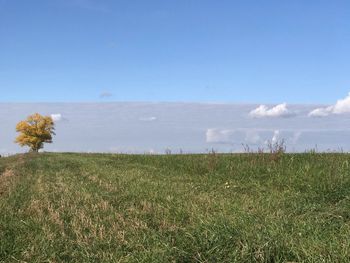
[35,131]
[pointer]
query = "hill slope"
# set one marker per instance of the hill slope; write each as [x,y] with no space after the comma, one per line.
[183,208]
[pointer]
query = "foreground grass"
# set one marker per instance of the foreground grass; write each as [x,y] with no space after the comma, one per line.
[175,208]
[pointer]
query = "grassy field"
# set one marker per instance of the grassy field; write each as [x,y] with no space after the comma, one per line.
[175,208]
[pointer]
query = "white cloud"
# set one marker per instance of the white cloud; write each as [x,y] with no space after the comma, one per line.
[321,112]
[296,137]
[252,136]
[279,110]
[340,107]
[218,136]
[152,151]
[56,117]
[276,136]
[148,118]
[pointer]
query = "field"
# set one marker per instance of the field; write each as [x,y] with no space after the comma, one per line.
[175,208]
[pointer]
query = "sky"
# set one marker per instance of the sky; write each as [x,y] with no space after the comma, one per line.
[147,76]
[237,51]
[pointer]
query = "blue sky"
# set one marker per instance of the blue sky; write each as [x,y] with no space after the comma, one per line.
[202,51]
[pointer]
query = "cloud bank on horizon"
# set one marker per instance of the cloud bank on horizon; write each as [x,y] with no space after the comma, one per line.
[56,117]
[133,127]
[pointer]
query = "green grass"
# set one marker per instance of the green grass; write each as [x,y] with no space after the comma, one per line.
[175,208]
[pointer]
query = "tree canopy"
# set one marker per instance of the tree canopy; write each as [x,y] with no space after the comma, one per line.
[35,131]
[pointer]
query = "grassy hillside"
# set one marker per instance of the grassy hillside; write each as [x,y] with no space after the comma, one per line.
[175,208]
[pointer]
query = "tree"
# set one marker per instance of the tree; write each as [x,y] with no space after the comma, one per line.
[35,131]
